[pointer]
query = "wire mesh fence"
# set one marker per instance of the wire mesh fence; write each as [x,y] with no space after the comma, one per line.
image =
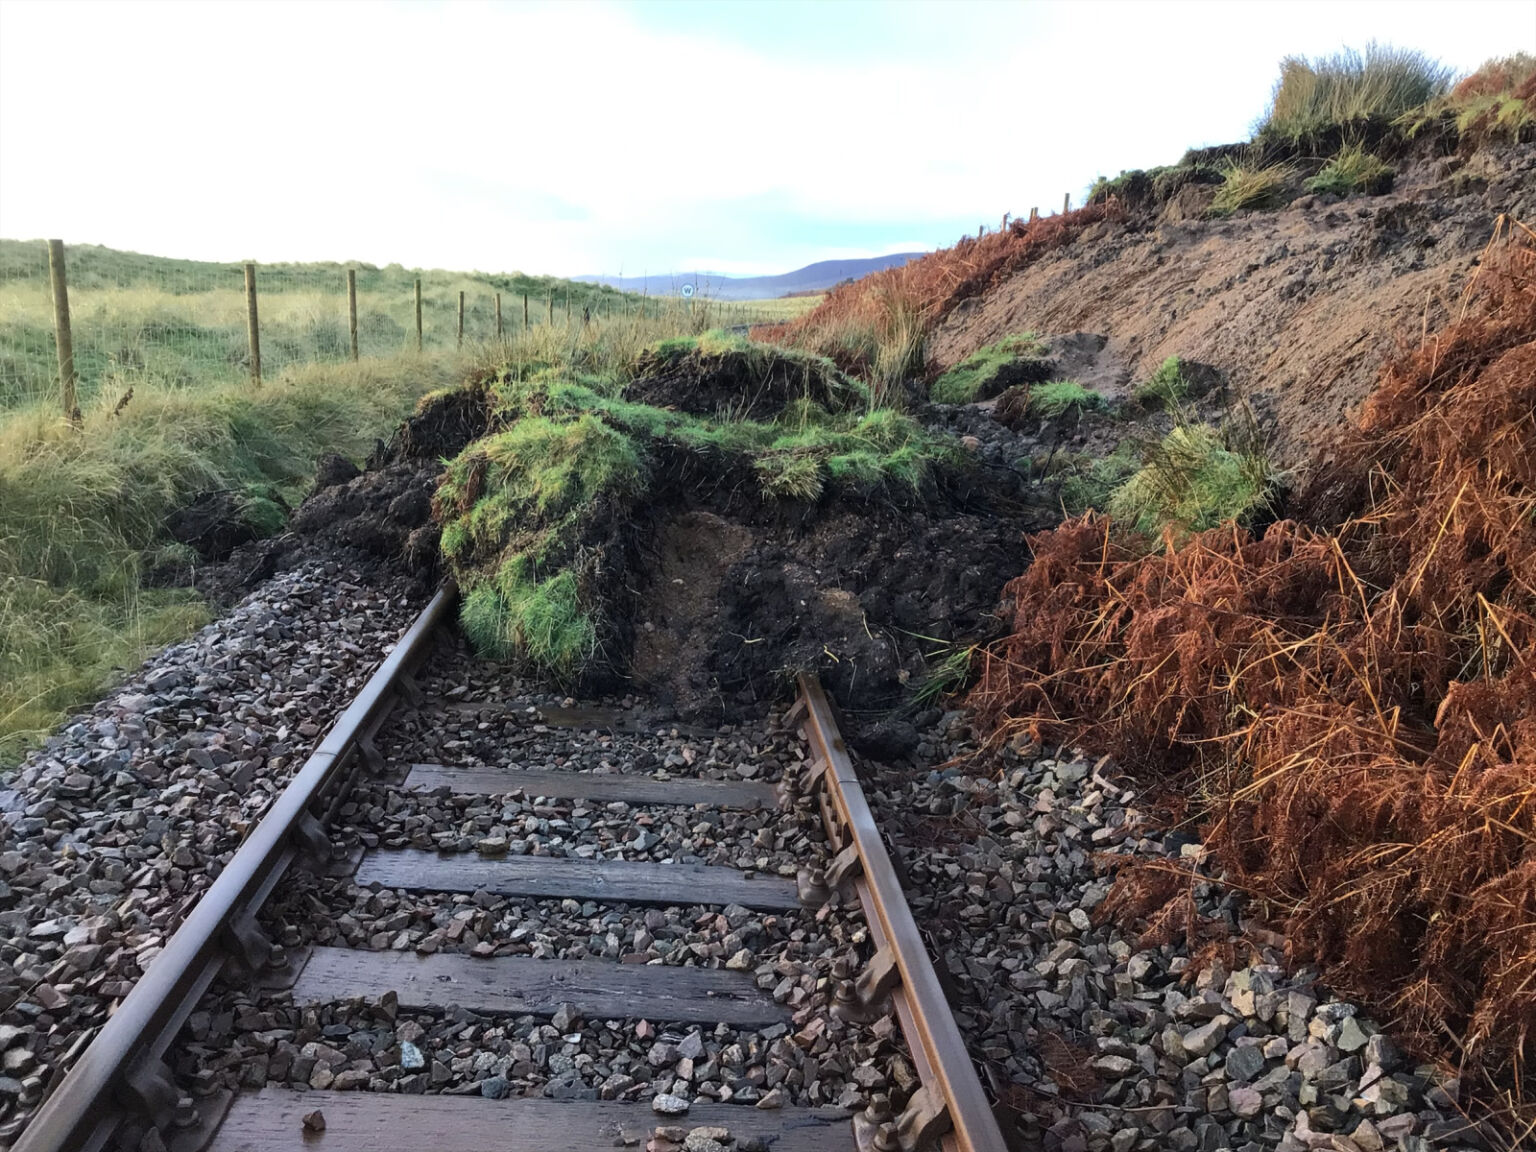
[183,323]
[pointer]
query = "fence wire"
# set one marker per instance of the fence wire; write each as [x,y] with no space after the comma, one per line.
[183,324]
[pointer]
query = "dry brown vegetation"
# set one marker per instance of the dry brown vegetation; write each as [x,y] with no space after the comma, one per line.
[1351,695]
[859,322]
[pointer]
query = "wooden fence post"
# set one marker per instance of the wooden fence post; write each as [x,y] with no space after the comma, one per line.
[499,335]
[1066,203]
[525,311]
[63,339]
[1034,214]
[418,313]
[253,329]
[550,300]
[352,309]
[461,318]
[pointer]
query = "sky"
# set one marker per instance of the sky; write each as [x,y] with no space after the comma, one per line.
[633,138]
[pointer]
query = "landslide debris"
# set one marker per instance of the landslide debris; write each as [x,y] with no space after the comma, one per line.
[374,520]
[732,514]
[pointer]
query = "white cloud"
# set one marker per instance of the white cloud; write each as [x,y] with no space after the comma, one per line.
[575,138]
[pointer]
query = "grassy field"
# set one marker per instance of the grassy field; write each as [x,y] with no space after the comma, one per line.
[182,323]
[82,513]
[782,307]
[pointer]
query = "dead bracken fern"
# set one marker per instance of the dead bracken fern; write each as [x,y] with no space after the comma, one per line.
[1352,694]
[868,324]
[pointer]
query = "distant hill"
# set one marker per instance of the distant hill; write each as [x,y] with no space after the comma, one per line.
[816,277]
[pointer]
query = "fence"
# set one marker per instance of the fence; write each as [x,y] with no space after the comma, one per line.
[95,320]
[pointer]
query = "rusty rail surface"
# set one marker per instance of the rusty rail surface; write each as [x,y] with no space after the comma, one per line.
[951,1107]
[123,1069]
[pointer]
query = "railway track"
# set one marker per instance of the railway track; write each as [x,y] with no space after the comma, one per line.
[628,945]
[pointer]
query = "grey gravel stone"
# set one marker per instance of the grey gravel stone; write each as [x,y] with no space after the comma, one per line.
[1003,850]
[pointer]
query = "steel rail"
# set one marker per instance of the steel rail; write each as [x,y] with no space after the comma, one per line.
[87,1106]
[942,1061]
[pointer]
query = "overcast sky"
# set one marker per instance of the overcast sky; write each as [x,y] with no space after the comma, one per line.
[649,137]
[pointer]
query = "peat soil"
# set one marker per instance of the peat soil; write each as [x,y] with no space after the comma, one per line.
[720,595]
[374,522]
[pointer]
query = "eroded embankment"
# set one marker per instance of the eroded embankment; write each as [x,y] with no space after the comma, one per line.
[1296,307]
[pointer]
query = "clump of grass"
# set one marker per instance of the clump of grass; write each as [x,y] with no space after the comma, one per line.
[949,671]
[515,507]
[1349,91]
[1196,478]
[963,383]
[1089,484]
[1057,397]
[1166,388]
[520,616]
[1353,169]
[82,514]
[1250,186]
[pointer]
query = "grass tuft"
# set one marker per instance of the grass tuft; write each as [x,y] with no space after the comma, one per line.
[1248,186]
[1193,480]
[1088,484]
[1166,388]
[1350,91]
[963,383]
[1057,397]
[1353,169]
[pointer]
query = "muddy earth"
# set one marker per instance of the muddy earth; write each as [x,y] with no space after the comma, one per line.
[722,596]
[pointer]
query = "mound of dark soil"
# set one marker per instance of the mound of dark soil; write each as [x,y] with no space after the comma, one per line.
[746,384]
[377,520]
[213,525]
[734,596]
[713,595]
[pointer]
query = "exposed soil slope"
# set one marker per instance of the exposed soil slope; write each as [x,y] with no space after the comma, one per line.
[1296,307]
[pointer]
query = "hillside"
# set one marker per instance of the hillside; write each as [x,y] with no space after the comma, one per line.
[816,277]
[1281,394]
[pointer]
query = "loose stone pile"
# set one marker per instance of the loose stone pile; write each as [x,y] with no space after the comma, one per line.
[111,832]
[1099,1043]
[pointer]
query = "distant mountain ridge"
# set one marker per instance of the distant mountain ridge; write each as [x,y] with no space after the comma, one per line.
[816,277]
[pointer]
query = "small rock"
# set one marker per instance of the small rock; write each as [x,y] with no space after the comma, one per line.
[1245,1102]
